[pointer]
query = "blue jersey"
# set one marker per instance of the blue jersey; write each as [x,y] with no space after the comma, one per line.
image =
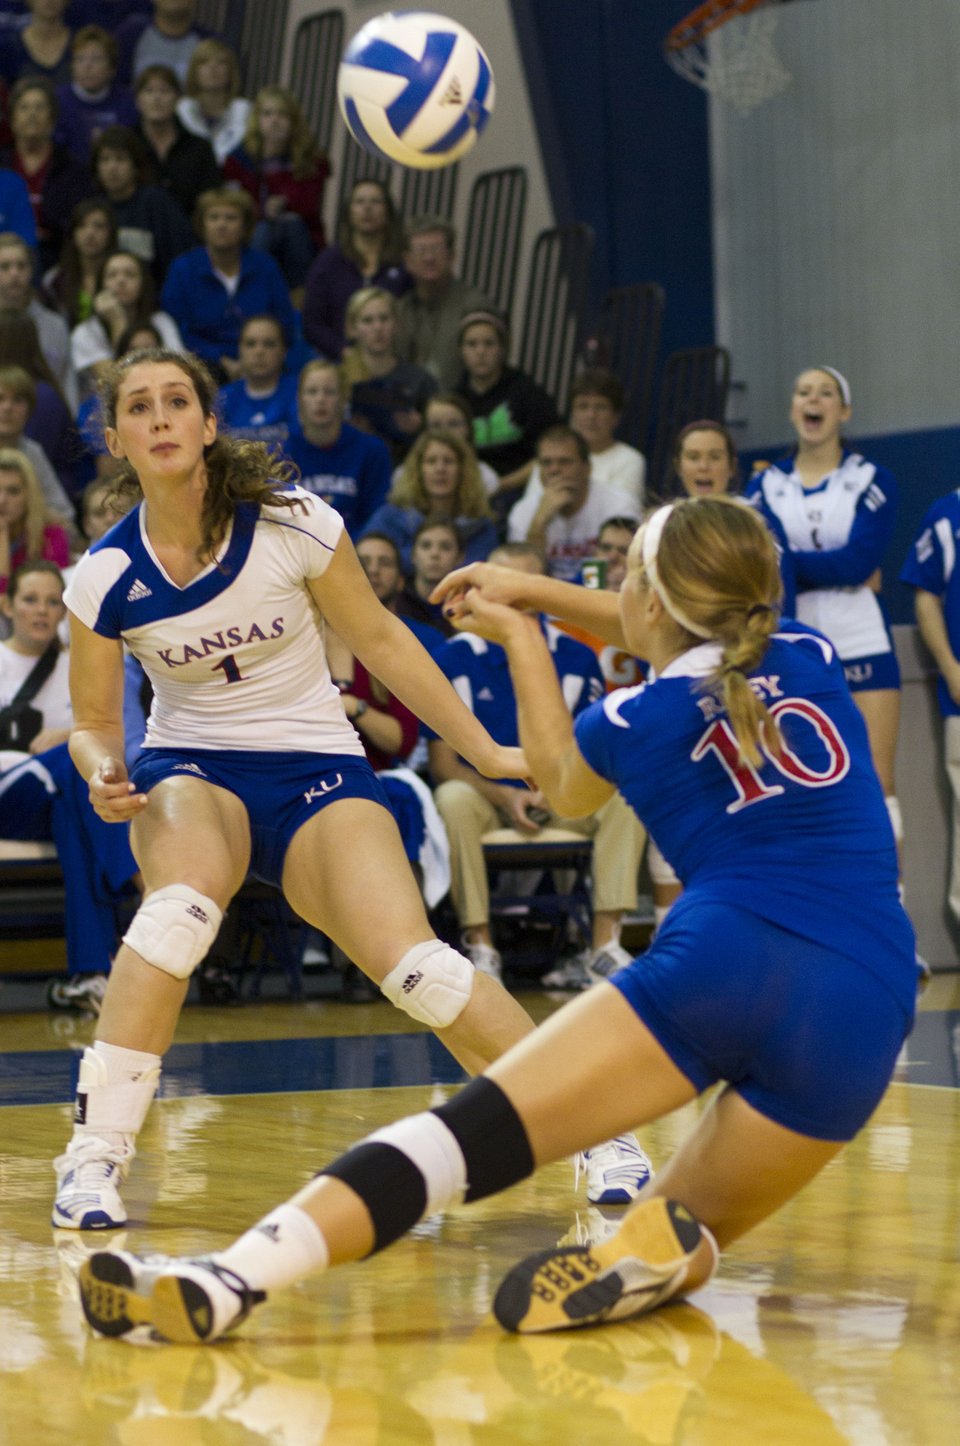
[804,841]
[932,565]
[259,419]
[352,476]
[480,674]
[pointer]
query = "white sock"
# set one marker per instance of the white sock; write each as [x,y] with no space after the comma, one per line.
[125,1064]
[285,1246]
[896,817]
[124,1082]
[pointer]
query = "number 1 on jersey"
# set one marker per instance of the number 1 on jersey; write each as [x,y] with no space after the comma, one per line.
[231,671]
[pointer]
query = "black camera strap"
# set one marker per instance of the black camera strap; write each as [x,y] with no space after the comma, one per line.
[37,676]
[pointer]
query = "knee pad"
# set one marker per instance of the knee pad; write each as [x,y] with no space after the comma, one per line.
[660,871]
[895,816]
[174,928]
[432,983]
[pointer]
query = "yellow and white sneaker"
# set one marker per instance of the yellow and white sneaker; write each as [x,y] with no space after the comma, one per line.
[642,1265]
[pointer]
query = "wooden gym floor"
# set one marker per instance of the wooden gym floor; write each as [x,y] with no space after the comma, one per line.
[838,1321]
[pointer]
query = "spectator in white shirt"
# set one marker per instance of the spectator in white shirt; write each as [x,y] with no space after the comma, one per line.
[564,521]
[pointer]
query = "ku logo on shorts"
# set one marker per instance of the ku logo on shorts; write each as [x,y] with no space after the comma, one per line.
[315,792]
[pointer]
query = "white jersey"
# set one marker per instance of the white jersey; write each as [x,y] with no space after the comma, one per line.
[236,658]
[837,533]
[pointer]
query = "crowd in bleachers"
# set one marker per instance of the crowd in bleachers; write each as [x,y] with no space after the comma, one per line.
[145,201]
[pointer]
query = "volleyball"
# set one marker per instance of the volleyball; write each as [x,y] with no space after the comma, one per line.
[415,88]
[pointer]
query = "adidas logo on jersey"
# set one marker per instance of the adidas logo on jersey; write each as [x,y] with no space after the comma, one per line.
[138,592]
[453,95]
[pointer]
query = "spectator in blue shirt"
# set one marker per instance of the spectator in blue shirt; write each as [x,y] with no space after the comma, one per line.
[471,805]
[261,404]
[211,289]
[16,212]
[347,468]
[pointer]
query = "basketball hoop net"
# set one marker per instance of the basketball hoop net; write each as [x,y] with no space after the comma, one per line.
[736,61]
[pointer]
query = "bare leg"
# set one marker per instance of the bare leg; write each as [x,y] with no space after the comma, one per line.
[881,713]
[707,1173]
[190,833]
[558,1080]
[346,873]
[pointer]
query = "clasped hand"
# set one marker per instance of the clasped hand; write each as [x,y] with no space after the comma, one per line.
[113,796]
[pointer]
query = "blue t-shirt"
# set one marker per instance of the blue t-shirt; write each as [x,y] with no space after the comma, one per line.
[932,565]
[804,841]
[352,476]
[260,419]
[480,674]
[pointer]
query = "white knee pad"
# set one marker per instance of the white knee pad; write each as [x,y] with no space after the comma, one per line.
[174,928]
[660,870]
[896,817]
[432,983]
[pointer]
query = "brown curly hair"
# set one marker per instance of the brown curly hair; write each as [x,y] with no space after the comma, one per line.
[237,470]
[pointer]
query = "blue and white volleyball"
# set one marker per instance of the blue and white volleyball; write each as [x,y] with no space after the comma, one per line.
[415,88]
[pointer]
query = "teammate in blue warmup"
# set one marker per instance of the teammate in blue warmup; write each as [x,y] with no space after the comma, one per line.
[748,761]
[931,570]
[838,511]
[220,582]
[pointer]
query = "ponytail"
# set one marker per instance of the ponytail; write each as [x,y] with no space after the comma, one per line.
[743,650]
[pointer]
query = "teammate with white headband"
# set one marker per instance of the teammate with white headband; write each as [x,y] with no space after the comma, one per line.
[838,510]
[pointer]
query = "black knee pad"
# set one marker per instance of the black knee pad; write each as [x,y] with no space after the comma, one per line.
[491,1135]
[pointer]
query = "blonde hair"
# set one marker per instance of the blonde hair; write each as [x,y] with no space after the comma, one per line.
[302,147]
[717,564]
[470,498]
[212,50]
[362,298]
[36,516]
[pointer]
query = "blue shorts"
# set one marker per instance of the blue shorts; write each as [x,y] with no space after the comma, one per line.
[280,791]
[869,675]
[807,1036]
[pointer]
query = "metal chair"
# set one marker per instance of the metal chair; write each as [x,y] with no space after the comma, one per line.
[223,18]
[491,250]
[429,193]
[556,301]
[695,384]
[317,47]
[626,340]
[554,906]
[262,35]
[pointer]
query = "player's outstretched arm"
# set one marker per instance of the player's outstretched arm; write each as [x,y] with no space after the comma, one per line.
[546,727]
[389,651]
[96,740]
[597,612]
